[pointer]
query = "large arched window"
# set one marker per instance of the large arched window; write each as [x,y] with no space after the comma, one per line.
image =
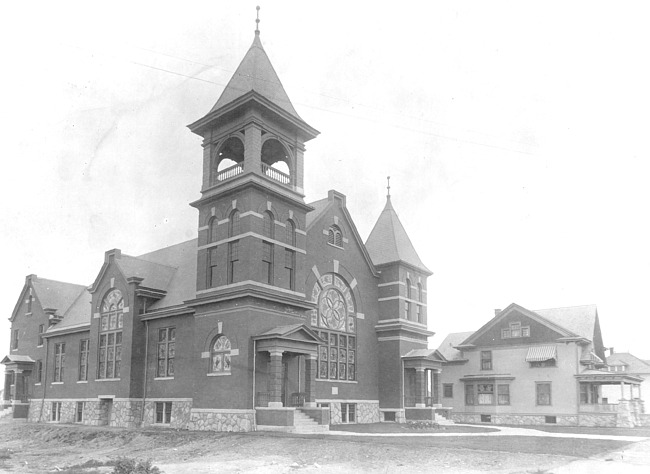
[220,355]
[110,335]
[336,319]
[335,236]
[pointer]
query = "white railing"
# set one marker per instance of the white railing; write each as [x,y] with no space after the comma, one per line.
[275,174]
[230,172]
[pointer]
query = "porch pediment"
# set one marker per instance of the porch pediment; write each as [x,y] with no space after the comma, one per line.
[422,358]
[18,362]
[297,338]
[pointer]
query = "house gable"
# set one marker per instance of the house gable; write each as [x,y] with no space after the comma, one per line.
[539,329]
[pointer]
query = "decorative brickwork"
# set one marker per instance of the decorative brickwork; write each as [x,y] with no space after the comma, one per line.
[205,420]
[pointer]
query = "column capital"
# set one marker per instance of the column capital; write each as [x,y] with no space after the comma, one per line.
[276,352]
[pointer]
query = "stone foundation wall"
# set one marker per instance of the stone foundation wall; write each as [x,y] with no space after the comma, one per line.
[644,419]
[366,412]
[221,420]
[511,419]
[126,414]
[180,413]
[400,416]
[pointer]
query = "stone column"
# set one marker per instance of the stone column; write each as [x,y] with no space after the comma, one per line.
[275,378]
[622,390]
[19,386]
[310,380]
[420,388]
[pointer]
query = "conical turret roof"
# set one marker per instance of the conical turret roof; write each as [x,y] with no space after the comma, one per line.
[256,73]
[389,243]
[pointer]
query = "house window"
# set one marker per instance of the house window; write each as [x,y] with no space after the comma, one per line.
[14,340]
[39,371]
[110,337]
[348,412]
[334,236]
[486,360]
[543,363]
[289,266]
[420,318]
[267,262]
[84,348]
[56,411]
[166,352]
[212,267]
[515,330]
[220,355]
[503,394]
[485,394]
[233,259]
[29,303]
[233,228]
[59,361]
[79,416]
[469,394]
[448,390]
[543,393]
[163,413]
[407,306]
[41,330]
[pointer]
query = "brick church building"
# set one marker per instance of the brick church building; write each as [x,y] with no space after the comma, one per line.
[277,316]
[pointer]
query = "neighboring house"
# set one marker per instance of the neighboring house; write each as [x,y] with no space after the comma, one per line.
[535,367]
[278,305]
[624,362]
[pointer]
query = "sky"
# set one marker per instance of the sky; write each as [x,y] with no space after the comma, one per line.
[515,135]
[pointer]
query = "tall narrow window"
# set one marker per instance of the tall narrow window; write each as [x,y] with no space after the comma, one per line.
[84,348]
[269,225]
[233,260]
[407,305]
[59,361]
[39,371]
[335,236]
[56,411]
[289,265]
[41,330]
[212,237]
[79,416]
[503,394]
[543,393]
[469,394]
[291,233]
[212,267]
[267,261]
[30,300]
[166,352]
[486,360]
[233,228]
[348,412]
[14,339]
[110,336]
[420,308]
[220,355]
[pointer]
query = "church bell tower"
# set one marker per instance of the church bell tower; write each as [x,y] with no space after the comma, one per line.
[252,212]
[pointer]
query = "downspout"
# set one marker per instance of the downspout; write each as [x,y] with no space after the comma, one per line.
[44,381]
[254,369]
[403,395]
[146,363]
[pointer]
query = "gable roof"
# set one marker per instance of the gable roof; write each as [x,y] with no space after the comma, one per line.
[319,207]
[78,315]
[283,332]
[56,294]
[633,363]
[447,348]
[256,73]
[389,243]
[155,275]
[580,320]
[181,285]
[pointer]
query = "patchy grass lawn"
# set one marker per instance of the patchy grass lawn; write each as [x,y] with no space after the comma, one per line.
[40,448]
[589,430]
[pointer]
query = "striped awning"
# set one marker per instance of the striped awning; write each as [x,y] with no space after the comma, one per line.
[541,353]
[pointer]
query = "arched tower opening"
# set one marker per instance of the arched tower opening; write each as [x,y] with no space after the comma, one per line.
[229,160]
[276,161]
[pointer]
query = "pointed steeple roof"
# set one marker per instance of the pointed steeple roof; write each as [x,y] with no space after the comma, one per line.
[256,73]
[388,242]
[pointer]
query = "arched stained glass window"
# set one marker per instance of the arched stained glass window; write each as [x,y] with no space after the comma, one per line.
[110,336]
[220,361]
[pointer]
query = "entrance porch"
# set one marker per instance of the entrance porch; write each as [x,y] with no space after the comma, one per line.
[16,395]
[422,387]
[285,380]
[629,410]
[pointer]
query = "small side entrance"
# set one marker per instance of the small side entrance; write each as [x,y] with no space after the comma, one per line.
[105,411]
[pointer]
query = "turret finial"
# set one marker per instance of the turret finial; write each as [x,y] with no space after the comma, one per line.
[257,21]
[388,187]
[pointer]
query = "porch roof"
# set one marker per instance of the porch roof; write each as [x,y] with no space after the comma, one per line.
[297,338]
[607,378]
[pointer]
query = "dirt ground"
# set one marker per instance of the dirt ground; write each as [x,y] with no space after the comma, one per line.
[40,448]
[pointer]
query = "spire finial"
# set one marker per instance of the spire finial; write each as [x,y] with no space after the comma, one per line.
[388,187]
[257,21]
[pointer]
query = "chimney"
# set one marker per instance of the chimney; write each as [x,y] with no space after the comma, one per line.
[496,312]
[611,351]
